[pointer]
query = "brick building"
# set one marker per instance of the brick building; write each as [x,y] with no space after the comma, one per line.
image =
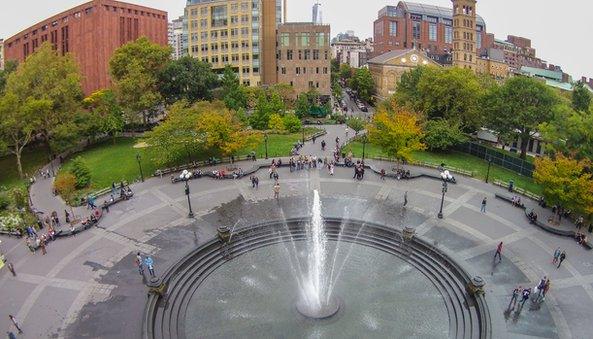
[1,54]
[518,53]
[424,27]
[91,32]
[304,57]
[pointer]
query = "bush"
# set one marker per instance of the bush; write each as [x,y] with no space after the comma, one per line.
[4,201]
[441,135]
[81,172]
[20,197]
[292,123]
[11,222]
[65,184]
[276,123]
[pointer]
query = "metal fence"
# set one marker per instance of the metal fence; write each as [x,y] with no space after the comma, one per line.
[498,157]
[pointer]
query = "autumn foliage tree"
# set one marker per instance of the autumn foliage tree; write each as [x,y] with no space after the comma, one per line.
[398,132]
[567,182]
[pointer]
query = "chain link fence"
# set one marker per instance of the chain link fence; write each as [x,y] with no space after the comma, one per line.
[498,157]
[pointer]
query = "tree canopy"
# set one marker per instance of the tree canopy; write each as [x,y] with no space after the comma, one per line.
[362,81]
[187,79]
[581,98]
[442,135]
[234,96]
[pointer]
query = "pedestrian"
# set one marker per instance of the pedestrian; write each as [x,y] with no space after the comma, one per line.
[580,222]
[323,145]
[498,252]
[149,265]
[546,289]
[256,182]
[525,296]
[42,245]
[11,269]
[276,190]
[405,198]
[30,245]
[561,258]
[514,298]
[106,206]
[314,138]
[67,216]
[556,256]
[15,323]
[483,208]
[138,262]
[540,288]
[382,174]
[10,335]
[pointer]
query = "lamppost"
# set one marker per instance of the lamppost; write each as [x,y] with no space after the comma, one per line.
[266,140]
[364,144]
[440,215]
[303,128]
[185,176]
[488,172]
[140,166]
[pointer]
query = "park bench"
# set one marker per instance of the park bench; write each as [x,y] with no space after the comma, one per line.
[509,200]
[518,190]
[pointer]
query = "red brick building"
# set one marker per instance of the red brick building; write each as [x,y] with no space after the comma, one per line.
[421,26]
[91,32]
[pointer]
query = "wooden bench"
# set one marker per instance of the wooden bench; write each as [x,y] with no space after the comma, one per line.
[509,200]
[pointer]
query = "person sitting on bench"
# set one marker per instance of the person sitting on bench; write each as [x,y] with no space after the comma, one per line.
[532,216]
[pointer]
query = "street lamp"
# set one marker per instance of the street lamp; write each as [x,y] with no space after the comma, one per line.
[488,172]
[440,215]
[303,134]
[266,140]
[185,176]
[364,144]
[140,166]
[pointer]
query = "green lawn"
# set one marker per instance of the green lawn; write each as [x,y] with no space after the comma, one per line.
[458,160]
[279,145]
[32,160]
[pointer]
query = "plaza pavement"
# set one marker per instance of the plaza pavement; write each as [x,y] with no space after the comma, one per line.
[88,286]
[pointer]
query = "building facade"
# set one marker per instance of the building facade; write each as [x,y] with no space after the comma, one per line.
[1,54]
[421,26]
[498,69]
[388,68]
[177,39]
[317,15]
[304,57]
[348,49]
[465,52]
[91,32]
[518,53]
[239,33]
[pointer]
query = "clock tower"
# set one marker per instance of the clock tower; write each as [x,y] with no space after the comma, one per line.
[464,34]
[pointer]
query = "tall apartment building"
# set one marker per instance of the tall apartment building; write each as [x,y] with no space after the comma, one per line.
[1,54]
[304,57]
[240,33]
[317,17]
[518,52]
[348,49]
[421,26]
[177,38]
[91,32]
[465,53]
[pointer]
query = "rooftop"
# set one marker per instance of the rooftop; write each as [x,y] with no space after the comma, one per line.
[434,11]
[383,58]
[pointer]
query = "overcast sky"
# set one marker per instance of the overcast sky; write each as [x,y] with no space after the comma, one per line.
[556,28]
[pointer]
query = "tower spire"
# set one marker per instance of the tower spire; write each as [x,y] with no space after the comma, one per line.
[464,34]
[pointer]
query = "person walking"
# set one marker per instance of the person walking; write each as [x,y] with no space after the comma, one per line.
[276,190]
[11,269]
[525,296]
[42,245]
[483,207]
[10,335]
[138,262]
[540,289]
[546,289]
[15,323]
[67,216]
[405,198]
[256,182]
[149,265]
[498,252]
[556,256]
[514,297]
[561,258]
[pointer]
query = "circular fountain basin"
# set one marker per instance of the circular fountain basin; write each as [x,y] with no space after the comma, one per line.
[325,311]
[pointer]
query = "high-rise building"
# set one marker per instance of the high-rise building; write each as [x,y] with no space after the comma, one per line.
[465,53]
[348,49]
[91,32]
[238,33]
[421,26]
[304,57]
[1,54]
[317,14]
[177,39]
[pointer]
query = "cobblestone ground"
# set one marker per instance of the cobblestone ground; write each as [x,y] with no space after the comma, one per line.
[88,286]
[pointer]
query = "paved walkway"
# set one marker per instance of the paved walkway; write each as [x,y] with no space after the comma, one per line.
[87,286]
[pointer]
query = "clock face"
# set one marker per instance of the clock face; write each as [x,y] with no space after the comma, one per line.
[414,58]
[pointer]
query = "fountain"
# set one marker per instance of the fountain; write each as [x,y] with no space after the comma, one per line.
[316,300]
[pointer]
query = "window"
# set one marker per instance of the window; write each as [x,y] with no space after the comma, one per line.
[393,28]
[416,30]
[479,40]
[307,54]
[379,28]
[303,39]
[321,40]
[298,70]
[283,70]
[284,39]
[300,54]
[324,70]
[204,35]
[219,16]
[448,34]
[315,54]
[289,54]
[432,32]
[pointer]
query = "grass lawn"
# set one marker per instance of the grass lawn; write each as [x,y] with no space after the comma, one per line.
[459,160]
[279,145]
[32,160]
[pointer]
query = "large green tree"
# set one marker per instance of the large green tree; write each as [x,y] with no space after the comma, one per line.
[9,67]
[135,68]
[517,108]
[442,135]
[362,81]
[234,95]
[581,98]
[105,114]
[187,79]
[55,80]
[569,132]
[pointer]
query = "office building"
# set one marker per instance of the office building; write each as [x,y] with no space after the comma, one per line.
[348,49]
[317,17]
[238,33]
[304,57]
[465,52]
[91,32]
[177,39]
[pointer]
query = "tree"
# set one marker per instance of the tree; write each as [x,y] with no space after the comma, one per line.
[407,93]
[569,132]
[345,72]
[292,123]
[9,67]
[135,68]
[276,123]
[105,111]
[81,172]
[187,79]
[517,108]
[261,115]
[567,182]
[18,122]
[442,135]
[398,133]
[581,98]
[234,96]
[285,93]
[363,83]
[357,124]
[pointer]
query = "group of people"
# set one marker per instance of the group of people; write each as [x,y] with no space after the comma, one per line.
[147,262]
[358,170]
[401,173]
[302,162]
[559,257]
[516,201]
[297,147]
[532,216]
[541,289]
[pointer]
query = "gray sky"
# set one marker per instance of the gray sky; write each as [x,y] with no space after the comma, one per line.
[555,27]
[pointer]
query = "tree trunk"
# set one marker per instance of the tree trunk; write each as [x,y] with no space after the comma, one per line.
[19,165]
[524,143]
